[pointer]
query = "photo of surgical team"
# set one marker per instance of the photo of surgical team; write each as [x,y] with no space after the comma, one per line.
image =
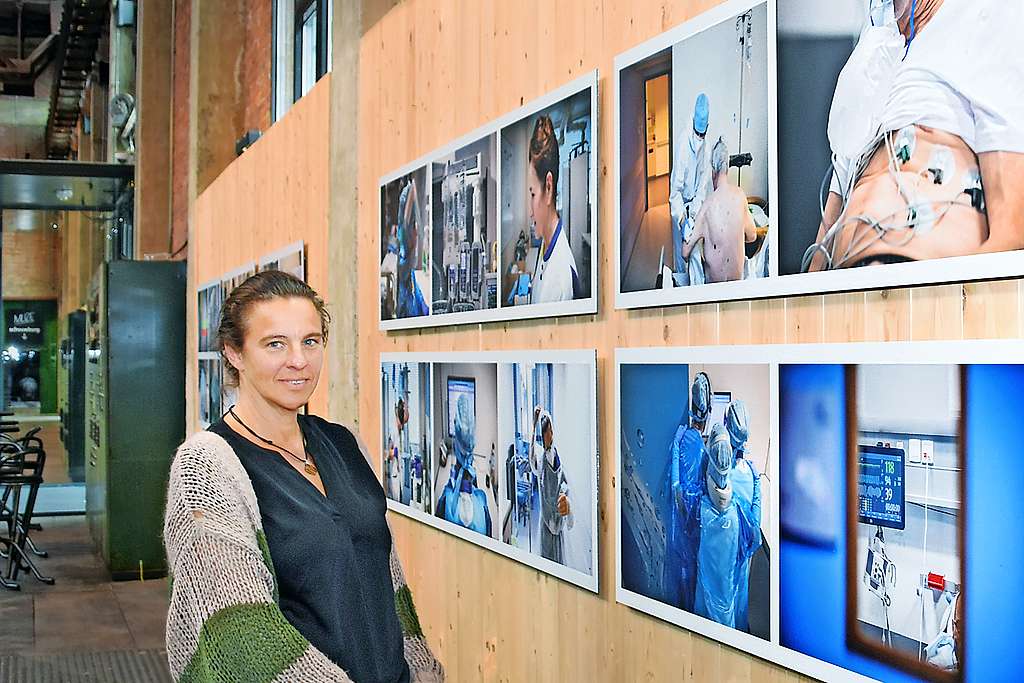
[546,455]
[546,227]
[465,441]
[696,490]
[465,229]
[405,247]
[406,434]
[908,512]
[693,183]
[209,300]
[893,147]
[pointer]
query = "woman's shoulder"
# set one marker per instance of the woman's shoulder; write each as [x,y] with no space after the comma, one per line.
[345,439]
[205,462]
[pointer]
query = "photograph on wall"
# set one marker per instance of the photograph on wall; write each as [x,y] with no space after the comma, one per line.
[405,213]
[693,147]
[548,197]
[209,396]
[406,434]
[465,228]
[546,458]
[893,511]
[291,260]
[894,150]
[209,316]
[696,495]
[465,434]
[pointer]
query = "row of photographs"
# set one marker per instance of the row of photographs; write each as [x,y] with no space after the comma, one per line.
[216,395]
[818,506]
[817,147]
[822,507]
[499,224]
[499,449]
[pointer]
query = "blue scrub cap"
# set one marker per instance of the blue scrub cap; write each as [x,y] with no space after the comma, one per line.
[719,454]
[737,422]
[700,397]
[700,114]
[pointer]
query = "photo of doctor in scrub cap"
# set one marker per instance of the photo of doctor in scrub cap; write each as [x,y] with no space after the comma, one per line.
[696,523]
[901,131]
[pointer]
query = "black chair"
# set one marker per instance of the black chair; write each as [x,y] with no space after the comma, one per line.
[19,468]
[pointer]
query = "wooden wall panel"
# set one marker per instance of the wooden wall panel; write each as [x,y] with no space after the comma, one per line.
[272,195]
[432,70]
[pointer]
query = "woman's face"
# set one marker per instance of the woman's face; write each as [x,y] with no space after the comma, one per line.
[540,199]
[283,351]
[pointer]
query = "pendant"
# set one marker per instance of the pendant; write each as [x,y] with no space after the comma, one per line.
[311,469]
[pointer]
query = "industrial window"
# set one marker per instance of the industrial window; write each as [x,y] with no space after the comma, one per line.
[302,49]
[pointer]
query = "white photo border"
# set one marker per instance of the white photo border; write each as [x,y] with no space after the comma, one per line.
[958,352]
[574,357]
[586,306]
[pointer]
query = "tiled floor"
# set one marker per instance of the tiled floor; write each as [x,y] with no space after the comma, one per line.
[84,612]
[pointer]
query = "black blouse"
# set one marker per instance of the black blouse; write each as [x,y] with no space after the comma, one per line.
[331,554]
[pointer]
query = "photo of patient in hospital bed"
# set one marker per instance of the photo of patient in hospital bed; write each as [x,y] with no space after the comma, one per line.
[693,149]
[696,492]
[901,131]
[406,430]
[546,457]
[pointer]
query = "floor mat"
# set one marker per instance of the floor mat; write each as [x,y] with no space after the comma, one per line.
[132,666]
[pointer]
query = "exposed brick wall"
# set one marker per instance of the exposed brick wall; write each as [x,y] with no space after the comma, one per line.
[31,264]
[179,126]
[256,64]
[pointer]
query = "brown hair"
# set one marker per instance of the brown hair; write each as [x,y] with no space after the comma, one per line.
[263,286]
[544,153]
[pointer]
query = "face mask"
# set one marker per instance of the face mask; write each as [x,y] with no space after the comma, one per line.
[466,508]
[720,497]
[863,87]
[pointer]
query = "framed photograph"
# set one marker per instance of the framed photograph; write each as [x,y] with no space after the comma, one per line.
[405,217]
[697,531]
[290,259]
[474,232]
[891,536]
[695,147]
[886,156]
[499,449]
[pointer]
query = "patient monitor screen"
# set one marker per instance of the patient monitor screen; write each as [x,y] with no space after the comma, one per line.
[880,492]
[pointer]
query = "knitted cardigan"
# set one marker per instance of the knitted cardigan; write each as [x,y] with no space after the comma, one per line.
[224,622]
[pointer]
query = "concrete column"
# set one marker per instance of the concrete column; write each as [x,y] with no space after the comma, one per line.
[153,130]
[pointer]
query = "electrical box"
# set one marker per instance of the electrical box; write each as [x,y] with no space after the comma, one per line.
[135,348]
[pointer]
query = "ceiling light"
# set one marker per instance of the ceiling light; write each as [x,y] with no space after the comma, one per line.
[64,193]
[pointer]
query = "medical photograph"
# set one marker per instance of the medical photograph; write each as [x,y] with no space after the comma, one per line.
[204,394]
[696,490]
[547,498]
[878,465]
[693,150]
[546,215]
[291,262]
[465,442]
[893,147]
[406,434]
[465,229]
[405,246]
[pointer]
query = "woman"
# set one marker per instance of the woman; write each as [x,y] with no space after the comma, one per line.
[555,512]
[555,278]
[281,559]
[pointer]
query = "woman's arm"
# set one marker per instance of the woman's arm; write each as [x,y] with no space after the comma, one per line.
[423,665]
[223,622]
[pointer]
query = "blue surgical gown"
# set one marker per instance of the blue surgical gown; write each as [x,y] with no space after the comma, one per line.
[688,456]
[728,540]
[743,477]
[410,299]
[448,504]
